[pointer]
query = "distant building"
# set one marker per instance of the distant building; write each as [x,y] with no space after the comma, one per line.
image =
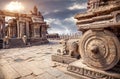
[53,36]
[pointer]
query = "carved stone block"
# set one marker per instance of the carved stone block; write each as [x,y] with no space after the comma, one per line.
[63,59]
[83,70]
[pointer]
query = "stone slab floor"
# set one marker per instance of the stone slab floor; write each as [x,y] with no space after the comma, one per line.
[30,63]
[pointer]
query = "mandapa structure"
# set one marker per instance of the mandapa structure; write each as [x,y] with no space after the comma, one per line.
[22,29]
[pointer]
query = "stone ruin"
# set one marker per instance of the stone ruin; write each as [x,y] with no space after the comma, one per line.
[99,46]
[23,29]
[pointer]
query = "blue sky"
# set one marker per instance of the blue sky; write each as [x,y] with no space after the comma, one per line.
[58,13]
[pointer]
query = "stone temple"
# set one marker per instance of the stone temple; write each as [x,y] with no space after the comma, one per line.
[22,29]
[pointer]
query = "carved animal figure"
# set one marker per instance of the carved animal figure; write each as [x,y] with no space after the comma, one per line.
[71,49]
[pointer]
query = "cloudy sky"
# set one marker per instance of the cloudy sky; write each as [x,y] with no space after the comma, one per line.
[58,13]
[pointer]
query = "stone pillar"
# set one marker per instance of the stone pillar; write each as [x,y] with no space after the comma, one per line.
[3,32]
[31,30]
[27,29]
[40,31]
[43,31]
[18,29]
[34,32]
[21,29]
[3,26]
[9,31]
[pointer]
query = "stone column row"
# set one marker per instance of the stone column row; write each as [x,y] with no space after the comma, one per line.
[20,29]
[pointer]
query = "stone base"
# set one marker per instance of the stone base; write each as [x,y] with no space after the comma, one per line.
[63,59]
[38,41]
[15,43]
[81,69]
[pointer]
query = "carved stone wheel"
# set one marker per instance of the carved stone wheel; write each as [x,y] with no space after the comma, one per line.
[100,49]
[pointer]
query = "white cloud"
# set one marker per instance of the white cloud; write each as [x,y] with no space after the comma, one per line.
[46,13]
[60,28]
[70,19]
[53,21]
[52,11]
[59,31]
[78,6]
[49,20]
[56,11]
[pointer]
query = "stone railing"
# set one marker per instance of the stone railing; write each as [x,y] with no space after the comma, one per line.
[66,36]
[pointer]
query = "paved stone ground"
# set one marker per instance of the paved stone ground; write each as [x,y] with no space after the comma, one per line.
[30,63]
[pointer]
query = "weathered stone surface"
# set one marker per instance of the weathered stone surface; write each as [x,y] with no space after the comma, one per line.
[63,59]
[29,63]
[66,77]
[100,49]
[79,68]
[21,69]
[105,15]
[28,77]
[34,67]
[45,76]
[100,44]
[7,71]
[54,72]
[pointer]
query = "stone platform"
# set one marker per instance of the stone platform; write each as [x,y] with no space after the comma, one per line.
[38,41]
[16,42]
[81,69]
[63,59]
[30,63]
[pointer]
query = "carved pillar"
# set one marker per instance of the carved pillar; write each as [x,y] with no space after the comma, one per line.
[21,29]
[43,31]
[8,31]
[40,31]
[3,26]
[34,32]
[18,29]
[27,28]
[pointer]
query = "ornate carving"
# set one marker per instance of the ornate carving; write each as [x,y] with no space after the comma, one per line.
[70,49]
[36,12]
[92,74]
[100,44]
[118,17]
[100,49]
